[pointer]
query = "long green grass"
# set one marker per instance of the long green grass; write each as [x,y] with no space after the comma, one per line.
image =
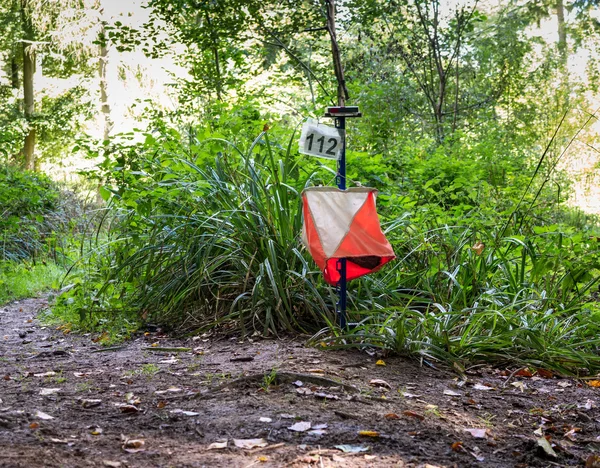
[20,280]
[196,246]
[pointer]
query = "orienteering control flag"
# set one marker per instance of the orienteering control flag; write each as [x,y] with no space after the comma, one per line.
[344,224]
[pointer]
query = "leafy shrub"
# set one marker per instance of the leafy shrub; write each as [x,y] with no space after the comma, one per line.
[28,203]
[199,246]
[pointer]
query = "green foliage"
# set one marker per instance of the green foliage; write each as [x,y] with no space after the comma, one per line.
[20,280]
[468,298]
[203,245]
[29,203]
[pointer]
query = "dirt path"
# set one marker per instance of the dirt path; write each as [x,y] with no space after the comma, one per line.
[102,404]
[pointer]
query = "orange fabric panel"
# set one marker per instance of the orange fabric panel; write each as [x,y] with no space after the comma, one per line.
[365,236]
[364,246]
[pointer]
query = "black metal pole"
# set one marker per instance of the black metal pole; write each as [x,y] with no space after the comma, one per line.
[340,123]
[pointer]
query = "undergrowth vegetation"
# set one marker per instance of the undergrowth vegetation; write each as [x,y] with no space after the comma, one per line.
[467,119]
[208,234]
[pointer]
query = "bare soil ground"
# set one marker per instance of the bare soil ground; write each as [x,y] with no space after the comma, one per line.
[67,402]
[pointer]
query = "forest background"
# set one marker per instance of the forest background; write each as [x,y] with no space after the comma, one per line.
[149,170]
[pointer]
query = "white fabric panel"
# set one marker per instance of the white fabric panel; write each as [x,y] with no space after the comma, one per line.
[333,212]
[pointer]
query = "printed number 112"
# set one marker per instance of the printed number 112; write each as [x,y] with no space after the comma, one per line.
[321,142]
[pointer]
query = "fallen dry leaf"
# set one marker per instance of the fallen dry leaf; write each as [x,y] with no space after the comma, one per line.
[546,447]
[301,426]
[218,445]
[265,420]
[391,416]
[368,433]
[570,434]
[128,408]
[525,372]
[451,393]
[90,403]
[42,415]
[45,374]
[593,461]
[95,430]
[457,447]
[483,388]
[412,414]
[250,443]
[380,362]
[112,464]
[593,383]
[185,413]
[545,373]
[352,448]
[326,396]
[49,391]
[477,433]
[34,425]
[161,404]
[133,445]
[379,383]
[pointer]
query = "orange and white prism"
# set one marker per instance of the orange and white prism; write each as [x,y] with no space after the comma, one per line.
[344,224]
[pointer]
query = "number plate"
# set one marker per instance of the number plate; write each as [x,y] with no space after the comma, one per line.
[321,140]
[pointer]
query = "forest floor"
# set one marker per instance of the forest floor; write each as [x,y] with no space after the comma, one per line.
[67,402]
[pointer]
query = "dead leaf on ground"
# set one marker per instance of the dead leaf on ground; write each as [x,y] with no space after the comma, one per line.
[45,374]
[304,391]
[90,403]
[410,395]
[49,391]
[545,373]
[593,461]
[379,383]
[525,372]
[593,383]
[452,393]
[60,441]
[391,416]
[546,447]
[42,415]
[301,426]
[250,443]
[352,448]
[185,413]
[265,420]
[326,396]
[34,425]
[112,464]
[570,434]
[133,445]
[457,447]
[218,445]
[368,433]
[127,408]
[380,362]
[482,388]
[95,430]
[412,414]
[520,385]
[298,383]
[477,433]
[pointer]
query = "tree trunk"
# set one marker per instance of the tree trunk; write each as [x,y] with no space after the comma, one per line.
[562,31]
[14,71]
[105,106]
[28,97]
[342,90]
